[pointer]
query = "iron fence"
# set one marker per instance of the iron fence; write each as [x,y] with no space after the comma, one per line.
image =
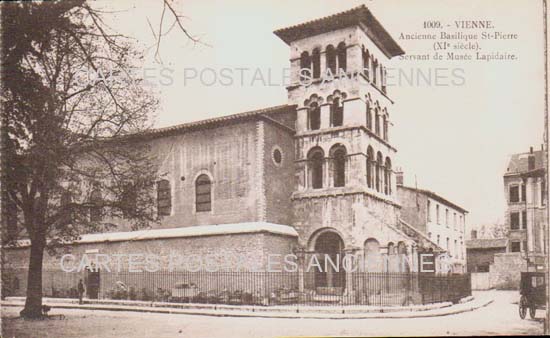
[251,288]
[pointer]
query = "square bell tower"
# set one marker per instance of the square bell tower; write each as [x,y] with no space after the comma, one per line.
[344,157]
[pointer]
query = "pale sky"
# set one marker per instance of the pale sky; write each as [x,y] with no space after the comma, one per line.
[455,140]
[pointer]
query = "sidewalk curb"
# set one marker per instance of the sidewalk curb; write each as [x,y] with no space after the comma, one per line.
[288,315]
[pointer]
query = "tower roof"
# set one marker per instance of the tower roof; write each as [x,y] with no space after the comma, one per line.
[359,16]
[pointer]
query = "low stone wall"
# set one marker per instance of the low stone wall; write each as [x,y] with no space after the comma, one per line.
[505,271]
[237,252]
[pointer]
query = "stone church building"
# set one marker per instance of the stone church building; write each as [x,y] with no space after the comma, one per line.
[312,177]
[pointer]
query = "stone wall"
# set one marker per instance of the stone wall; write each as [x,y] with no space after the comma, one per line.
[247,252]
[413,208]
[354,216]
[279,178]
[246,185]
[505,271]
[228,155]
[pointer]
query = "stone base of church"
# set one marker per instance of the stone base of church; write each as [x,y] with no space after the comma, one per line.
[174,255]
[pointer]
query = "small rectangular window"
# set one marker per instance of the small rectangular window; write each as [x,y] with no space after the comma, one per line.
[514,220]
[524,219]
[515,246]
[523,193]
[454,220]
[514,194]
[456,248]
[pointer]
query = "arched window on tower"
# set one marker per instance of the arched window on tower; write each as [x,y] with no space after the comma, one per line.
[387,176]
[330,54]
[316,61]
[379,169]
[338,155]
[377,121]
[203,193]
[314,114]
[366,62]
[342,57]
[370,166]
[369,114]
[305,63]
[315,161]
[336,113]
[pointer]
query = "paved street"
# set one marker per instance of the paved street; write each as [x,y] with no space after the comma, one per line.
[500,317]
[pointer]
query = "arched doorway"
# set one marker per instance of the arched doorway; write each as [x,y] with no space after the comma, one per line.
[329,249]
[373,257]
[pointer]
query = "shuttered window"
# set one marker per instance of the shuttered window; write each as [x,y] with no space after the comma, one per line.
[164,198]
[203,193]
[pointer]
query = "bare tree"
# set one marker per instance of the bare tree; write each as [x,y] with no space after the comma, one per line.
[72,104]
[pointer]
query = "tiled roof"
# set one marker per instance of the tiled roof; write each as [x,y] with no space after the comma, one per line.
[519,163]
[436,197]
[360,16]
[486,243]
[212,122]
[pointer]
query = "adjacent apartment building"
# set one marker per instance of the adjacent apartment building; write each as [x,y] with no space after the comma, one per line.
[526,198]
[441,220]
[523,247]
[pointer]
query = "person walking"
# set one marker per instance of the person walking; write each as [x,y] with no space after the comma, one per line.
[80,291]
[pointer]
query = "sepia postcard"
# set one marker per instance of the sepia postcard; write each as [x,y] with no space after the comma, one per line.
[312,168]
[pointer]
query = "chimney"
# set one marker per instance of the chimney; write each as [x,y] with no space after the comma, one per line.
[399,177]
[531,150]
[473,234]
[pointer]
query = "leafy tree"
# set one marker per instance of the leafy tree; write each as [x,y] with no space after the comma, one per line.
[72,104]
